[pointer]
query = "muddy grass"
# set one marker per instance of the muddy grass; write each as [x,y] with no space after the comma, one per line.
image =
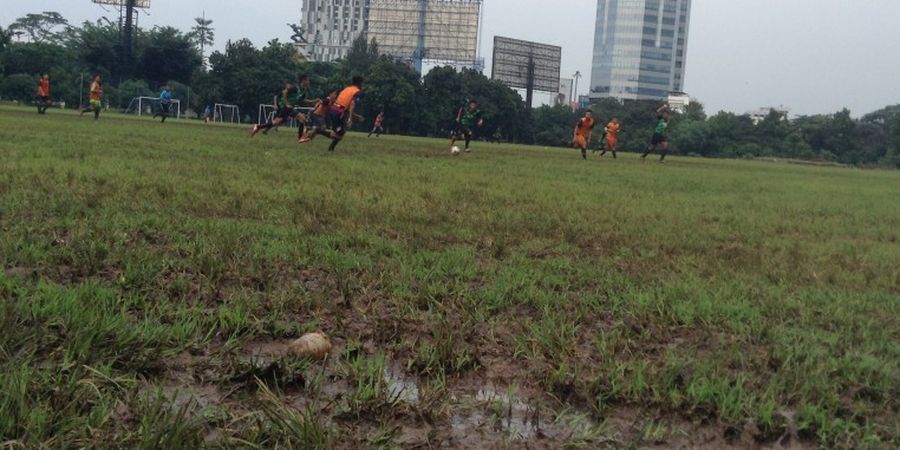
[479,410]
[516,298]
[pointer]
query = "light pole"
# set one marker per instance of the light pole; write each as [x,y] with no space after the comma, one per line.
[577,77]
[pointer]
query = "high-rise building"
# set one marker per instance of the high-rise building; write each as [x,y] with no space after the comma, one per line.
[330,26]
[640,48]
[412,30]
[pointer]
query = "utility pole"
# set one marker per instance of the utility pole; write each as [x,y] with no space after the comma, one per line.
[81,92]
[529,88]
[420,42]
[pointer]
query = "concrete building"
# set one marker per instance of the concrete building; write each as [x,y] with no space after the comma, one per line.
[758,115]
[330,27]
[564,96]
[679,101]
[640,48]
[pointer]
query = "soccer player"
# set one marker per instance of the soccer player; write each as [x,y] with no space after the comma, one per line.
[660,140]
[378,129]
[319,117]
[96,97]
[583,130]
[165,103]
[43,94]
[304,99]
[342,111]
[612,137]
[207,114]
[284,110]
[466,121]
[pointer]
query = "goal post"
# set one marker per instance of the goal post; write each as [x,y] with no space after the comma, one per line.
[225,113]
[267,113]
[150,105]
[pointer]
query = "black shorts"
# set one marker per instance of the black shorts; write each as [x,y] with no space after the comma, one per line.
[164,107]
[462,131]
[338,122]
[318,122]
[43,99]
[658,139]
[284,113]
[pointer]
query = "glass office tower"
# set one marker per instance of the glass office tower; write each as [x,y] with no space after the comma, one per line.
[640,48]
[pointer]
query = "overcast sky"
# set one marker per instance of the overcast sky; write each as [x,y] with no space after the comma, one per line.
[812,56]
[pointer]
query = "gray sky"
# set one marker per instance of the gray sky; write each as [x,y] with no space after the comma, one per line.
[813,56]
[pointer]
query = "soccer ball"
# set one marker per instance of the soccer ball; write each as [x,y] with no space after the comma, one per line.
[454,151]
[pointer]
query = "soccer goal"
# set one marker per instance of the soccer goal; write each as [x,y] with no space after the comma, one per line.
[267,113]
[226,113]
[149,106]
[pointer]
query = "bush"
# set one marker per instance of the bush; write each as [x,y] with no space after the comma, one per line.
[127,90]
[18,87]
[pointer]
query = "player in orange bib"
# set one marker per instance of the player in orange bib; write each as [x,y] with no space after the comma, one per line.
[583,130]
[343,110]
[319,117]
[96,97]
[612,137]
[43,94]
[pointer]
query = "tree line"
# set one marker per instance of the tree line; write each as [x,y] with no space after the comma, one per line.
[246,75]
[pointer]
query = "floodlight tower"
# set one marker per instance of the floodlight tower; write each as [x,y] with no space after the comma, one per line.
[128,30]
[127,19]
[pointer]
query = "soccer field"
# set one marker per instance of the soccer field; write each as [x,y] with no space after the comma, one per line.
[152,277]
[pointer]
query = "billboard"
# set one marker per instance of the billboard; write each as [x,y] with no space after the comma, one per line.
[524,64]
[443,30]
[137,3]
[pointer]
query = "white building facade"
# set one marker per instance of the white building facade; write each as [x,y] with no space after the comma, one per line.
[640,48]
[331,26]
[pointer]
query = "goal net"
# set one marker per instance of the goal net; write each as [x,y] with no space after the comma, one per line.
[150,106]
[226,113]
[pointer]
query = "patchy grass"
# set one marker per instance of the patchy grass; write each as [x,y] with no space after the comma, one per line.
[152,275]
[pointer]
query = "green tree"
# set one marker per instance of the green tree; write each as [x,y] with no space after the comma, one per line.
[772,131]
[841,138]
[797,147]
[893,130]
[98,49]
[446,91]
[892,157]
[360,57]
[206,89]
[322,75]
[638,119]
[36,58]
[882,116]
[45,27]
[503,107]
[5,39]
[168,55]
[554,125]
[203,35]
[19,87]
[394,88]
[443,92]
[247,76]
[128,90]
[692,137]
[727,132]
[694,111]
